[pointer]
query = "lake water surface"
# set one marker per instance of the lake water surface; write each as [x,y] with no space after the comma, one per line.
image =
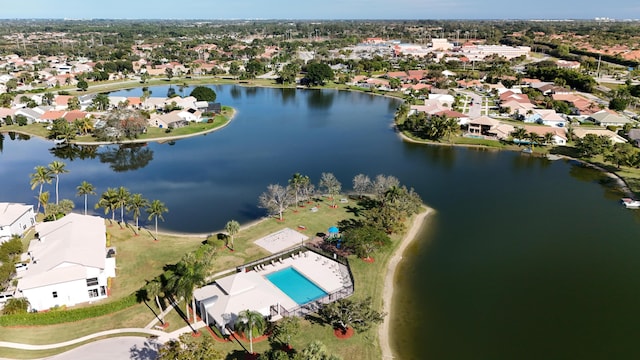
[525,258]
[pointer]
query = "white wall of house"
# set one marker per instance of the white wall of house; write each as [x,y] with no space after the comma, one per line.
[19,225]
[557,140]
[185,115]
[69,293]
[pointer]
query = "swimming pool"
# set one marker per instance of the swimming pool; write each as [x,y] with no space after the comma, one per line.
[295,285]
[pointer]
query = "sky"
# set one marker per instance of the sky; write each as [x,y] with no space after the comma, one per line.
[324,9]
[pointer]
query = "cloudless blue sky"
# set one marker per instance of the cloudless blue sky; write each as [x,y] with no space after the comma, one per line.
[324,9]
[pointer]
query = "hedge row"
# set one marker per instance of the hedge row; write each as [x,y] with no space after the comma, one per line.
[64,316]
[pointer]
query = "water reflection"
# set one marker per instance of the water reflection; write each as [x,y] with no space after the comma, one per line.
[73,152]
[235,92]
[320,100]
[17,136]
[126,157]
[251,91]
[288,95]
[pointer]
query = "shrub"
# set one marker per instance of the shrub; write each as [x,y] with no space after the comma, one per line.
[64,316]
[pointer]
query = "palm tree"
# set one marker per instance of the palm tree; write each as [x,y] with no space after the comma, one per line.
[56,168]
[122,198]
[108,202]
[190,272]
[135,205]
[297,183]
[548,138]
[39,178]
[154,288]
[232,227]
[450,127]
[85,189]
[43,199]
[250,322]
[155,211]
[519,133]
[534,138]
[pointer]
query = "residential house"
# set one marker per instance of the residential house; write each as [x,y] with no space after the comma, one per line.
[190,115]
[444,99]
[615,138]
[62,101]
[580,105]
[463,119]
[6,112]
[74,115]
[515,107]
[482,125]
[501,131]
[174,119]
[559,135]
[608,117]
[154,103]
[429,107]
[15,219]
[400,75]
[32,115]
[69,263]
[634,136]
[547,117]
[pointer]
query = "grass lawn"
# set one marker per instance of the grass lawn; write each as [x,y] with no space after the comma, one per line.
[31,129]
[135,316]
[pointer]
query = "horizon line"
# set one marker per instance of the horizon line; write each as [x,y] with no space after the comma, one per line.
[323,19]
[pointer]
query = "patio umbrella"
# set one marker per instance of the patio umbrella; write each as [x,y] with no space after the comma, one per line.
[333,230]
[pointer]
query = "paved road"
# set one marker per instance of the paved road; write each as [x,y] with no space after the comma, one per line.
[475,110]
[135,348]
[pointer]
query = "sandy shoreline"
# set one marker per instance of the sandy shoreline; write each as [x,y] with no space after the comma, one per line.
[387,293]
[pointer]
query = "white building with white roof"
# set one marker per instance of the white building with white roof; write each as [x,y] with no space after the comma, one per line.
[15,219]
[69,263]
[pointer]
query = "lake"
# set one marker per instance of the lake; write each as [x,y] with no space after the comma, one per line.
[525,258]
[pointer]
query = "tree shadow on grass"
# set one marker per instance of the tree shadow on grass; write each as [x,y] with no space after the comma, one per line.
[355,210]
[368,203]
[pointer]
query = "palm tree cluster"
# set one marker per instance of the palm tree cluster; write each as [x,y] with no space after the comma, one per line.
[522,135]
[114,199]
[62,129]
[45,175]
[432,127]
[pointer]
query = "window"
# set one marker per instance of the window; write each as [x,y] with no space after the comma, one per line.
[55,294]
[92,281]
[103,292]
[93,293]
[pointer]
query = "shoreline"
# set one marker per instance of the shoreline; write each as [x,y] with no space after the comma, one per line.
[620,182]
[133,141]
[387,293]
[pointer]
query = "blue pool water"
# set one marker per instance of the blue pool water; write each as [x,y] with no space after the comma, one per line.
[295,285]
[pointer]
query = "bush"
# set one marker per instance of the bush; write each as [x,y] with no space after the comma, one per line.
[64,316]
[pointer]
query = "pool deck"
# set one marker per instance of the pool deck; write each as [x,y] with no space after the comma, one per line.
[250,289]
[322,271]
